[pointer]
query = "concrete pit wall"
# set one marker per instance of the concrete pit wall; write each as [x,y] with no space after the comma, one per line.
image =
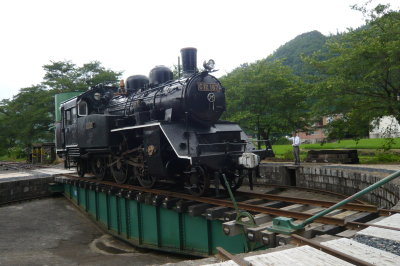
[18,189]
[346,180]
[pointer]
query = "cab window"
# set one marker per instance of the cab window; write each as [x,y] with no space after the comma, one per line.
[82,108]
[70,116]
[68,120]
[73,115]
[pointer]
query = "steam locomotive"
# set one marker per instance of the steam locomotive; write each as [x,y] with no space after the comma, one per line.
[157,129]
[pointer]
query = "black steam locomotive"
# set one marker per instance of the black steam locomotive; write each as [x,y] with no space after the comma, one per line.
[157,129]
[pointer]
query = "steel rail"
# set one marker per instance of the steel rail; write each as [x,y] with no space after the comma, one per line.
[357,225]
[386,212]
[229,256]
[248,207]
[224,203]
[313,190]
[276,212]
[321,203]
[331,251]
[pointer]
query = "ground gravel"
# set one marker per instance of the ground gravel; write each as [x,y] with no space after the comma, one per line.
[379,243]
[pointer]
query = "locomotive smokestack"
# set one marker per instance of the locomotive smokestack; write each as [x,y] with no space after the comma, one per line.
[189,60]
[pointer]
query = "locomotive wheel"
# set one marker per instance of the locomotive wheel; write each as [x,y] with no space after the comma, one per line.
[120,171]
[235,179]
[81,168]
[198,181]
[99,167]
[145,180]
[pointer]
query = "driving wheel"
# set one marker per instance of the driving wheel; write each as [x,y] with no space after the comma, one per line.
[198,182]
[99,167]
[120,171]
[81,168]
[235,179]
[145,180]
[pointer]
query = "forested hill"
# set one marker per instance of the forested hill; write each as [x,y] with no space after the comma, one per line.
[303,44]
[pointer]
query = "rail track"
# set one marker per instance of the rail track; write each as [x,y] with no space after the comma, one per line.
[351,215]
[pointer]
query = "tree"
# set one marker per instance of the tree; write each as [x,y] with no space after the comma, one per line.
[29,117]
[64,76]
[361,75]
[266,97]
[61,76]
[94,73]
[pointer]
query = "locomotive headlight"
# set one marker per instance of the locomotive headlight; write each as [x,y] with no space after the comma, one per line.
[210,65]
[97,96]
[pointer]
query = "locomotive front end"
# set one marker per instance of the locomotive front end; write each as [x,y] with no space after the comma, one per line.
[205,98]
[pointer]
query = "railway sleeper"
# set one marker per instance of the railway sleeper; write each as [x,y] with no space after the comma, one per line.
[328,229]
[309,231]
[254,234]
[231,215]
[360,217]
[183,205]
[334,229]
[268,238]
[216,212]
[282,240]
[295,207]
[140,197]
[169,203]
[231,228]
[198,209]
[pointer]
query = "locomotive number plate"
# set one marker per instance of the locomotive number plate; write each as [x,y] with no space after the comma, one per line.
[212,87]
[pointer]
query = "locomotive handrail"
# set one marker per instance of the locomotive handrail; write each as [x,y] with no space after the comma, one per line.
[224,143]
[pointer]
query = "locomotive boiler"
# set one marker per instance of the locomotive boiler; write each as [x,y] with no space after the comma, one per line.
[157,129]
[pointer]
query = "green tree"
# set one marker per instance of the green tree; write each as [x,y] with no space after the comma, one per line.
[360,76]
[29,117]
[94,73]
[64,76]
[61,76]
[266,97]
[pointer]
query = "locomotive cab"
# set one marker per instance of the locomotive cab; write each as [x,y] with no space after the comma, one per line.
[69,123]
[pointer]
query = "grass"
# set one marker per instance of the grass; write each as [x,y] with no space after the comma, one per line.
[361,144]
[375,150]
[7,158]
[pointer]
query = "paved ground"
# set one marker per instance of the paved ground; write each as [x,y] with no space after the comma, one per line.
[53,232]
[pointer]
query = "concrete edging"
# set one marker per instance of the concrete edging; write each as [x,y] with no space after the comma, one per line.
[342,179]
[24,188]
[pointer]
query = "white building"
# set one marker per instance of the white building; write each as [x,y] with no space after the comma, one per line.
[385,127]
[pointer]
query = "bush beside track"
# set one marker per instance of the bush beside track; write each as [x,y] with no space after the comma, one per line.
[369,150]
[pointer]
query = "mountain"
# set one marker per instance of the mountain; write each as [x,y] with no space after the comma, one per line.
[303,44]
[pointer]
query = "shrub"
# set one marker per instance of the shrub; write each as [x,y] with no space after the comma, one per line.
[282,141]
[16,152]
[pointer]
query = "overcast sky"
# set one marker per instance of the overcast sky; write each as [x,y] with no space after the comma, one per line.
[134,36]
